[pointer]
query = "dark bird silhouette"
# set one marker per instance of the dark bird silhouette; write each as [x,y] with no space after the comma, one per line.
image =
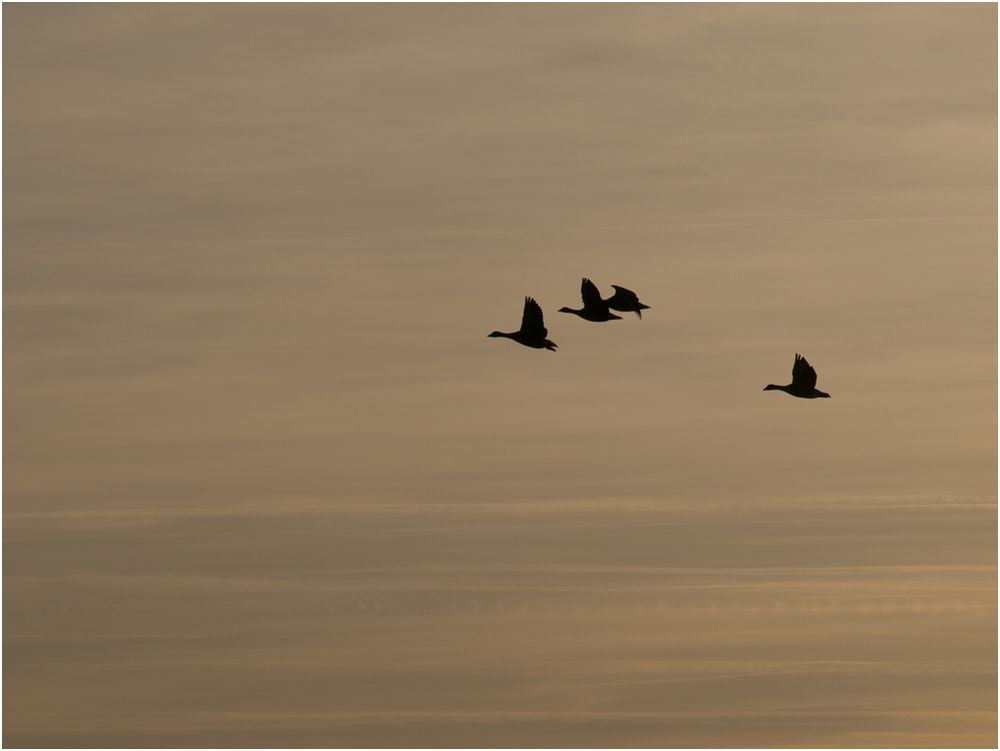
[626,301]
[594,308]
[803,383]
[532,332]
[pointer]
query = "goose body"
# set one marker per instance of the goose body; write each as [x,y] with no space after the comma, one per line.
[803,383]
[594,308]
[626,301]
[532,332]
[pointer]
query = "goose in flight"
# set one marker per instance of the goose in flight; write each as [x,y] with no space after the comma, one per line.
[626,301]
[594,308]
[532,332]
[803,383]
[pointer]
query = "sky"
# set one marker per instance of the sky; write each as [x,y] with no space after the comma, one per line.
[267,480]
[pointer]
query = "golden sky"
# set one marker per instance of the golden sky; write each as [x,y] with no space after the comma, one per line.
[267,481]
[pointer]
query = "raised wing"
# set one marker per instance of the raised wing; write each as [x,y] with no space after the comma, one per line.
[803,375]
[624,296]
[531,322]
[591,296]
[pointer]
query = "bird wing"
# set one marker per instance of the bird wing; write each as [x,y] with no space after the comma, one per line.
[803,375]
[624,296]
[590,294]
[531,321]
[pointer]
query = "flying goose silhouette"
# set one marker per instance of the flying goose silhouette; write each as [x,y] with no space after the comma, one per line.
[532,332]
[594,308]
[803,383]
[626,301]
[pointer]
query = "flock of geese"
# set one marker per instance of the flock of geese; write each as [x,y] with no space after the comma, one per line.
[597,309]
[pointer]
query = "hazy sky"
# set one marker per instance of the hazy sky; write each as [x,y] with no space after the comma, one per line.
[267,481]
